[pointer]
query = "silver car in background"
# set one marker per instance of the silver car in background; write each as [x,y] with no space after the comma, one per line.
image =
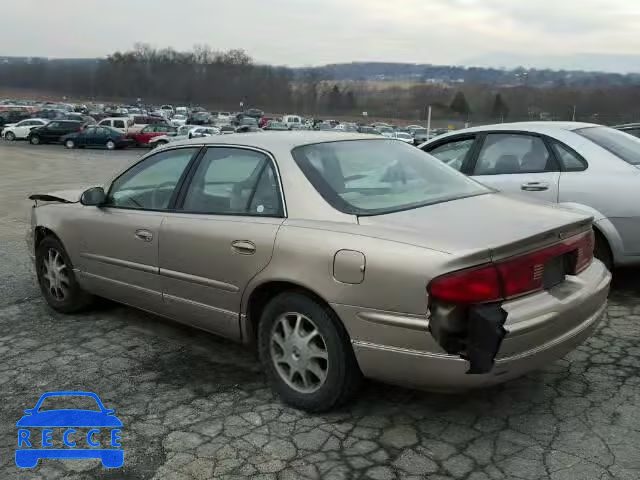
[339,255]
[587,167]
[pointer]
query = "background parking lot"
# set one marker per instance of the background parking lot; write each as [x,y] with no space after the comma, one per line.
[195,406]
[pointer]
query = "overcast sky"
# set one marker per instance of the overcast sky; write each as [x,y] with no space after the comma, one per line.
[314,32]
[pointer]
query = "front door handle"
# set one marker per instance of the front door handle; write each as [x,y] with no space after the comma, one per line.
[144,235]
[243,247]
[534,186]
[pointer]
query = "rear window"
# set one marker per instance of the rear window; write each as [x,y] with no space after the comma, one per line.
[622,145]
[372,177]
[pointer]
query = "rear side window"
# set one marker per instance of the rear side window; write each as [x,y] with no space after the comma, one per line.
[118,123]
[507,153]
[453,153]
[622,145]
[233,181]
[571,161]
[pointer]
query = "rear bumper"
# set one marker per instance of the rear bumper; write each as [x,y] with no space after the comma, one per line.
[541,329]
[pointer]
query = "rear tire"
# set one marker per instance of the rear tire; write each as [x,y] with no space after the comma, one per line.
[34,140]
[10,136]
[56,278]
[111,145]
[316,369]
[602,251]
[70,144]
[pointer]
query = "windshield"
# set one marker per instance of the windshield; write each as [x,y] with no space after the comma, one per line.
[370,177]
[66,402]
[621,144]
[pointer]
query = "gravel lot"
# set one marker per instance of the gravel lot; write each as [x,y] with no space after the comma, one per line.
[195,406]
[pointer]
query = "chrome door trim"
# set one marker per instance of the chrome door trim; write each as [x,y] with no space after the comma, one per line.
[120,263]
[144,290]
[173,298]
[207,282]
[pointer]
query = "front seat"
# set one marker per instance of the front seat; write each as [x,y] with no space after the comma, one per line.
[507,164]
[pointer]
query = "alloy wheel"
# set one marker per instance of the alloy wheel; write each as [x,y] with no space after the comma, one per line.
[299,352]
[54,275]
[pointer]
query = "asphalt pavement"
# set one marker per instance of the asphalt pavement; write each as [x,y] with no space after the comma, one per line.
[194,406]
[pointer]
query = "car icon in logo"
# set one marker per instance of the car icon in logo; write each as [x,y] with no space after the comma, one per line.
[36,430]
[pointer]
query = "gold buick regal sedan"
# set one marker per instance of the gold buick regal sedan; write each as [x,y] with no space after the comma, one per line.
[340,256]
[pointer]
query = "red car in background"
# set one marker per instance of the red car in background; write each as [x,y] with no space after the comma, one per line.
[147,133]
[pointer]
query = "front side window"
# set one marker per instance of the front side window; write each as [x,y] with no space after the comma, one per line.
[371,177]
[453,153]
[507,153]
[118,124]
[622,145]
[233,181]
[149,185]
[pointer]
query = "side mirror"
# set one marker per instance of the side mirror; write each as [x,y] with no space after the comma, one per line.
[94,196]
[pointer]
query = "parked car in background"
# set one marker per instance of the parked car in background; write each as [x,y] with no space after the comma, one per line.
[224,116]
[420,135]
[20,130]
[385,131]
[274,125]
[53,131]
[587,167]
[141,121]
[227,129]
[305,233]
[346,127]
[247,124]
[166,111]
[184,133]
[143,137]
[121,124]
[199,118]
[254,113]
[630,128]
[403,137]
[368,130]
[178,120]
[323,126]
[87,119]
[96,136]
[290,120]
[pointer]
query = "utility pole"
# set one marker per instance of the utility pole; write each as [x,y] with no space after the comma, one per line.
[429,123]
[573,118]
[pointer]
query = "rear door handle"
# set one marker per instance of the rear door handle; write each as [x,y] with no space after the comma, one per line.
[144,235]
[534,186]
[243,247]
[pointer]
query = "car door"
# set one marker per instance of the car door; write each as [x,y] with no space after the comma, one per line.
[220,236]
[518,163]
[86,137]
[119,247]
[22,129]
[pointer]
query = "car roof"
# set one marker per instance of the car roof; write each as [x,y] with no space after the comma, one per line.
[277,141]
[534,127]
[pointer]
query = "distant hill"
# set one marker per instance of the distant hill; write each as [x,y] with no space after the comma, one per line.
[444,74]
[447,74]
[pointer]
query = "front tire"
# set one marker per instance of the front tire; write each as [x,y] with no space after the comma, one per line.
[56,278]
[306,353]
[10,136]
[34,140]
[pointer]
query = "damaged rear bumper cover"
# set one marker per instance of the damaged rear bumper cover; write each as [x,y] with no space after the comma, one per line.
[538,331]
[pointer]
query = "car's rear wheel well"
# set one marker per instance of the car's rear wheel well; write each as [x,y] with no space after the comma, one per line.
[267,291]
[602,249]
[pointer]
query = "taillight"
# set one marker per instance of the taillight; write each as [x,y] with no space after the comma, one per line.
[475,285]
[515,276]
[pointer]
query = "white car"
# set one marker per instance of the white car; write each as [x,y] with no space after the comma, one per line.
[587,167]
[20,130]
[224,116]
[403,137]
[385,131]
[184,133]
[178,120]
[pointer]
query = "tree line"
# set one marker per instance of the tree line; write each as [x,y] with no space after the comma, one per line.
[222,79]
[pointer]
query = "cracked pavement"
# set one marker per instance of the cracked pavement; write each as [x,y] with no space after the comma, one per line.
[195,406]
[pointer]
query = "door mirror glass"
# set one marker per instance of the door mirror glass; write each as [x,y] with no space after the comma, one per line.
[93,197]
